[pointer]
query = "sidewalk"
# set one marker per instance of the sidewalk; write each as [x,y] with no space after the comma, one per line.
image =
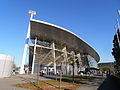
[9,82]
[87,88]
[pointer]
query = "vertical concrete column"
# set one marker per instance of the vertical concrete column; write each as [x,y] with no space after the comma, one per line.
[80,61]
[73,61]
[53,53]
[66,60]
[75,68]
[34,53]
[62,68]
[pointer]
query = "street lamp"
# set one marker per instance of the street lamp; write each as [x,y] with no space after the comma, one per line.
[118,28]
[119,12]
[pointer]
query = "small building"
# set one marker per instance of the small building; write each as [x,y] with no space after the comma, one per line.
[6,65]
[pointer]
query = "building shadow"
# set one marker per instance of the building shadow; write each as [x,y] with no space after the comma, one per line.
[110,83]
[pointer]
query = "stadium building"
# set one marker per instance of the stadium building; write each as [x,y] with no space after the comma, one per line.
[56,49]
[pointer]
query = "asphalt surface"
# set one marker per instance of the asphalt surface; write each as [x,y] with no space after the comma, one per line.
[92,85]
[9,82]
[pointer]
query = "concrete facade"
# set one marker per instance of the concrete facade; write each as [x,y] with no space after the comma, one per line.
[6,65]
[54,46]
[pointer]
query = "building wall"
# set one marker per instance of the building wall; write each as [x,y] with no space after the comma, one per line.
[6,64]
[92,62]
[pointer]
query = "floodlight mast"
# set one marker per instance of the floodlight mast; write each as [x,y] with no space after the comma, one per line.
[118,28]
[119,12]
[117,36]
[32,13]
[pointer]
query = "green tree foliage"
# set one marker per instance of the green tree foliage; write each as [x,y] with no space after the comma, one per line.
[116,51]
[107,68]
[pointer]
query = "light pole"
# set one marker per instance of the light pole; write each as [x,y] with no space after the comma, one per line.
[32,13]
[118,28]
[119,12]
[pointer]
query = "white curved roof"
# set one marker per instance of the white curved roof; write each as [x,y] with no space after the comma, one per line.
[48,31]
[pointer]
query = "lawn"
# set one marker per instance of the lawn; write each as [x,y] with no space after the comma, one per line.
[49,85]
[78,79]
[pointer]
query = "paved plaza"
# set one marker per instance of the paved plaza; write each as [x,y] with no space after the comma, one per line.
[8,83]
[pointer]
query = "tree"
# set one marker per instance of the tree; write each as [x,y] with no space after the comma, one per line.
[116,51]
[106,68]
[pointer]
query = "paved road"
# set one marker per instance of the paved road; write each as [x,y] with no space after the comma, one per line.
[8,83]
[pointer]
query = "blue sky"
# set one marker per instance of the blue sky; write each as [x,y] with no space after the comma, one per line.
[92,20]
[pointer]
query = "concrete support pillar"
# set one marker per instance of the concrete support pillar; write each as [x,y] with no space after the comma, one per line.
[62,67]
[73,62]
[75,68]
[80,61]
[53,53]
[66,60]
[34,53]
